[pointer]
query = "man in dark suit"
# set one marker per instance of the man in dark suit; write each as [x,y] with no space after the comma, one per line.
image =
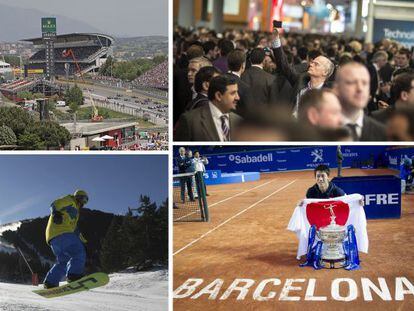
[352,87]
[319,71]
[260,81]
[215,121]
[184,163]
[237,64]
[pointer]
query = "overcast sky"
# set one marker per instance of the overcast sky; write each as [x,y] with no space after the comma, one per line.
[126,18]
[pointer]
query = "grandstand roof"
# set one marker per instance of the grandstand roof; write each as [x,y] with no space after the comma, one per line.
[72,37]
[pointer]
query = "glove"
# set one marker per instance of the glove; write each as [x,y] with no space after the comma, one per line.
[82,238]
[57,217]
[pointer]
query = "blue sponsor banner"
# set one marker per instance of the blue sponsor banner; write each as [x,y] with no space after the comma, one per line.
[395,156]
[382,194]
[212,174]
[298,158]
[400,31]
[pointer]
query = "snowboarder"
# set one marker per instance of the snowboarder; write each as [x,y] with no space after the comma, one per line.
[67,243]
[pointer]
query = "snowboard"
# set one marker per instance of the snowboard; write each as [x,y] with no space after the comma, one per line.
[86,283]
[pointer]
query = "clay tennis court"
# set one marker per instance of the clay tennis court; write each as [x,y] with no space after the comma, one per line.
[246,238]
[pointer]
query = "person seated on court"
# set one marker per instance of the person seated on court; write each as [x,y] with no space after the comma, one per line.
[323,189]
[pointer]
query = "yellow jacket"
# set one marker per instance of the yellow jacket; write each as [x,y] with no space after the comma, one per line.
[63,218]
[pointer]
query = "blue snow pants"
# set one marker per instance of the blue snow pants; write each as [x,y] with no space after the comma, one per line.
[70,257]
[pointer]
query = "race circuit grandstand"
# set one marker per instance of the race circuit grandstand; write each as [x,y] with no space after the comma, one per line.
[90,52]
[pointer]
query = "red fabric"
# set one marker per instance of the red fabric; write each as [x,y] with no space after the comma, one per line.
[319,215]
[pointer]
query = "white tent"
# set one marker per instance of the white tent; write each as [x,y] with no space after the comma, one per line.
[98,139]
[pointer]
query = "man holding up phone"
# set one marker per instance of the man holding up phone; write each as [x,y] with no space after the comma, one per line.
[319,71]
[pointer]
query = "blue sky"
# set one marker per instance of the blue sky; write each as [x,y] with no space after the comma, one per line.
[30,183]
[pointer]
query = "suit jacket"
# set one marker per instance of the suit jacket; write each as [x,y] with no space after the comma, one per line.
[385,72]
[382,115]
[198,125]
[261,85]
[245,103]
[181,92]
[199,101]
[183,164]
[372,130]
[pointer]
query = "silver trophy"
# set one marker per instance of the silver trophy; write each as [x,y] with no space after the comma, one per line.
[332,236]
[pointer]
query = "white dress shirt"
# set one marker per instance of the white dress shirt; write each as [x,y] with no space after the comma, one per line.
[199,164]
[216,114]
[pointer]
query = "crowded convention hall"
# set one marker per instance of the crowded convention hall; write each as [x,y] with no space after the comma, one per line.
[293,71]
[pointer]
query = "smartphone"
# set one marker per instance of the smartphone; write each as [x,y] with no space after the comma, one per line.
[277,24]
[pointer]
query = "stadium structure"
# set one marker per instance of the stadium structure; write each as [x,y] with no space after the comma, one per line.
[89,53]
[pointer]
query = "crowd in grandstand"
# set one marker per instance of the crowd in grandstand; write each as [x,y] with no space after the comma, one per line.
[62,54]
[156,77]
[246,85]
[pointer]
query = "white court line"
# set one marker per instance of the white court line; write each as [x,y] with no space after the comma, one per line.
[224,200]
[243,192]
[232,217]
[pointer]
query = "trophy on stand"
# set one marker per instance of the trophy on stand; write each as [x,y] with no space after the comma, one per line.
[332,236]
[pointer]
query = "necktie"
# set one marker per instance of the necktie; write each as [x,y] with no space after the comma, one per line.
[225,128]
[354,133]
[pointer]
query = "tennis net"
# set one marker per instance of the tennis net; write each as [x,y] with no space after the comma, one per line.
[189,197]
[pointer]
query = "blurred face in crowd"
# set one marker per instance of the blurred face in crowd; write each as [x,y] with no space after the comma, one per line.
[228,101]
[196,154]
[398,128]
[352,86]
[368,47]
[408,97]
[181,151]
[328,114]
[268,64]
[381,61]
[318,67]
[401,60]
[213,54]
[193,68]
[322,180]
[262,43]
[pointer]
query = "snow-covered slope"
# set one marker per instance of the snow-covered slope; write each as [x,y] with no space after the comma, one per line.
[125,291]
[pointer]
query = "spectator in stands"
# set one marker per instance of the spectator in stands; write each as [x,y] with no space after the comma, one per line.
[215,121]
